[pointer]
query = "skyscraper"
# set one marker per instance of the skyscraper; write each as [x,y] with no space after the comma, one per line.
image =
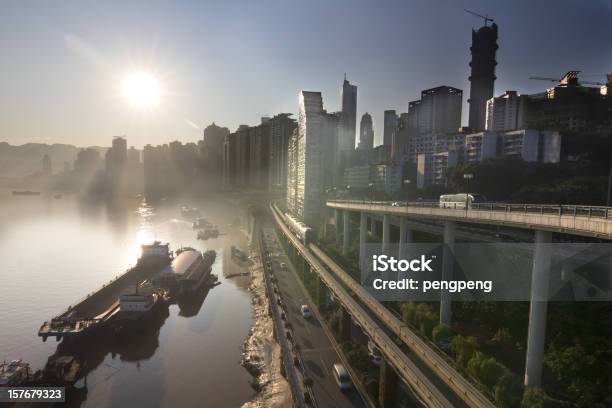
[366,132]
[389,127]
[349,116]
[440,110]
[482,77]
[116,157]
[46,165]
[311,158]
[282,127]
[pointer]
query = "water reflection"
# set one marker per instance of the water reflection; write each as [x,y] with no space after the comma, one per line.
[191,354]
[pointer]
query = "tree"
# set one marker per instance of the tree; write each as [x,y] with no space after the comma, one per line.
[442,334]
[533,398]
[463,348]
[508,391]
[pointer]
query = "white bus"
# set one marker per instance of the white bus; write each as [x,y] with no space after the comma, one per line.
[459,200]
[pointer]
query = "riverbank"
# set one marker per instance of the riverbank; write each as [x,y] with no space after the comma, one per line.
[262,354]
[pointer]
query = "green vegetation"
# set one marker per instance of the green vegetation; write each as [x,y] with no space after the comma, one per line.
[488,342]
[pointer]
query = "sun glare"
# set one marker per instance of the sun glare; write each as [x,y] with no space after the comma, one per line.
[141,89]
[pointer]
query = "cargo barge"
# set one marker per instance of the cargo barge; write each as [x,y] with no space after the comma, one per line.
[189,272]
[102,306]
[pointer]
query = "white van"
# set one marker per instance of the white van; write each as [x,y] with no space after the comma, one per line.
[306,313]
[374,353]
[342,377]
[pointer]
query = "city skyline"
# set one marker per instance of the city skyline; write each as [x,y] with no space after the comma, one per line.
[86,59]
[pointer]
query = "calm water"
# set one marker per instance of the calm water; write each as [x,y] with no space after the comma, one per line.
[55,251]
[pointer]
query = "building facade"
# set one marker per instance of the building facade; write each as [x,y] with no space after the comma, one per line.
[281,129]
[348,117]
[506,112]
[482,76]
[390,123]
[366,132]
[312,159]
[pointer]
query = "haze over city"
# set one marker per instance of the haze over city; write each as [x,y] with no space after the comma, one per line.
[68,68]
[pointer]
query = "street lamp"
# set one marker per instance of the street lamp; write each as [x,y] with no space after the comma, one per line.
[407,184]
[467,177]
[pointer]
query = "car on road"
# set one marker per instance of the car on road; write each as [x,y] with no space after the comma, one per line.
[283,266]
[374,353]
[397,204]
[306,313]
[342,377]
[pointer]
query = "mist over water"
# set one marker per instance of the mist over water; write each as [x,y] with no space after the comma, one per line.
[56,251]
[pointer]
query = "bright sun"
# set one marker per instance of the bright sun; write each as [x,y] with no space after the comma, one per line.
[141,89]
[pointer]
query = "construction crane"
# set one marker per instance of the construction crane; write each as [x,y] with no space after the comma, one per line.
[570,78]
[485,17]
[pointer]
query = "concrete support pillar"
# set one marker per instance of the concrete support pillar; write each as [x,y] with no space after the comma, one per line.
[363,234]
[345,325]
[373,227]
[448,261]
[337,224]
[568,267]
[536,336]
[346,224]
[386,235]
[405,239]
[387,391]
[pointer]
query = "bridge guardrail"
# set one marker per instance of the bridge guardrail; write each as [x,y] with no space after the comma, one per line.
[454,380]
[572,210]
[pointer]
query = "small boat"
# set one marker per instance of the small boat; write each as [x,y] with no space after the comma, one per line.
[14,373]
[136,310]
[237,253]
[208,233]
[25,193]
[62,370]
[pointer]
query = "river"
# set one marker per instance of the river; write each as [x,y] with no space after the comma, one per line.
[56,250]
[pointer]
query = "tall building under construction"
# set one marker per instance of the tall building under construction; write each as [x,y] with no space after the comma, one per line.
[482,78]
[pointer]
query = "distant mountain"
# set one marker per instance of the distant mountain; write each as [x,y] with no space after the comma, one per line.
[23,160]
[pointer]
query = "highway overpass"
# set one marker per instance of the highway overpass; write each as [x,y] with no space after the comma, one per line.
[337,281]
[586,221]
[543,220]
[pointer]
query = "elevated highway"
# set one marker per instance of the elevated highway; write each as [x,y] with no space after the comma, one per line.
[595,222]
[338,281]
[540,221]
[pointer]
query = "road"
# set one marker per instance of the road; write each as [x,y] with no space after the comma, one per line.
[317,350]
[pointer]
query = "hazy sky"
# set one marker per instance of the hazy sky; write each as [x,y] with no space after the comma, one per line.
[62,62]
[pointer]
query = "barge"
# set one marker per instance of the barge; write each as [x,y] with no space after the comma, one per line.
[102,306]
[189,272]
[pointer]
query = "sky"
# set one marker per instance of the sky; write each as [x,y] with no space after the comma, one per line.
[62,63]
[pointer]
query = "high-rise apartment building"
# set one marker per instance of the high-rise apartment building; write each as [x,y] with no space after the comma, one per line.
[312,154]
[116,159]
[482,77]
[349,116]
[506,112]
[389,126]
[281,127]
[366,132]
[440,110]
[46,165]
